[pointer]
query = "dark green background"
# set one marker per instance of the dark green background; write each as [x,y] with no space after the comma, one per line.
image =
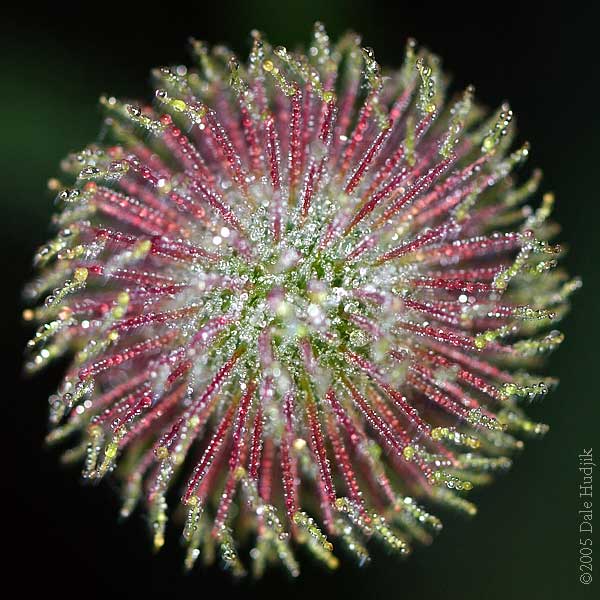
[64,539]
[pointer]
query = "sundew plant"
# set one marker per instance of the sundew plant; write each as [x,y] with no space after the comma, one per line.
[304,301]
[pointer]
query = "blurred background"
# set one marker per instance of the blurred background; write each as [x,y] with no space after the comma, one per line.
[64,538]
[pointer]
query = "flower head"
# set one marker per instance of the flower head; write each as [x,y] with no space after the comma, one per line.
[305,293]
